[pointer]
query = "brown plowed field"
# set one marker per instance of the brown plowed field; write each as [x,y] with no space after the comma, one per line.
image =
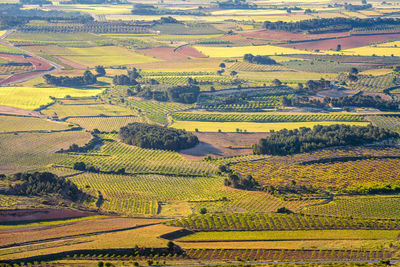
[287,36]
[346,43]
[18,111]
[190,52]
[40,214]
[169,53]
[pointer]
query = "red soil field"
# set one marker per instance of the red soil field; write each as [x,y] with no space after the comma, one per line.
[21,77]
[346,43]
[41,66]
[40,214]
[169,53]
[287,36]
[189,51]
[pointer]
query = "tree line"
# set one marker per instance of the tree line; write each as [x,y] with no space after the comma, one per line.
[329,24]
[344,101]
[261,60]
[156,137]
[43,184]
[86,79]
[285,142]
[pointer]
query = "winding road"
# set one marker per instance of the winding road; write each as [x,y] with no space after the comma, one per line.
[26,76]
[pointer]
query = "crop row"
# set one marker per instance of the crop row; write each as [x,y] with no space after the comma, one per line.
[265,117]
[285,255]
[7,69]
[367,207]
[386,122]
[249,255]
[244,66]
[274,221]
[374,83]
[335,175]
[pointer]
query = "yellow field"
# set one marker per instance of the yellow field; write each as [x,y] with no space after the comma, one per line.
[2,33]
[251,126]
[242,50]
[106,55]
[373,50]
[31,98]
[97,9]
[376,72]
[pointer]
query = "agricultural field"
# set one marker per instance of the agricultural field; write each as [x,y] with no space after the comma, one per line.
[195,133]
[32,98]
[252,127]
[22,124]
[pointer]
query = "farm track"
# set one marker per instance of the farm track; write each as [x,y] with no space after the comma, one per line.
[26,76]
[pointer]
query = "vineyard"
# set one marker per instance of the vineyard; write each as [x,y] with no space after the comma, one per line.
[329,171]
[286,254]
[245,66]
[246,255]
[13,69]
[141,194]
[114,155]
[265,117]
[107,124]
[387,122]
[275,221]
[366,207]
[153,110]
[32,151]
[373,84]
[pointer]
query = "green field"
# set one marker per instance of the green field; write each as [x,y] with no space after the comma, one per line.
[251,126]
[292,235]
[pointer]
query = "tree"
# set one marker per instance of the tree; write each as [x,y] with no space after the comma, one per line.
[203,211]
[354,71]
[233,73]
[80,166]
[396,68]
[170,246]
[222,65]
[276,82]
[88,77]
[100,71]
[100,264]
[339,47]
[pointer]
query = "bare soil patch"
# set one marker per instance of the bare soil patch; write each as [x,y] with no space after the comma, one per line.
[346,43]
[222,145]
[40,214]
[190,52]
[164,53]
[287,36]
[19,112]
